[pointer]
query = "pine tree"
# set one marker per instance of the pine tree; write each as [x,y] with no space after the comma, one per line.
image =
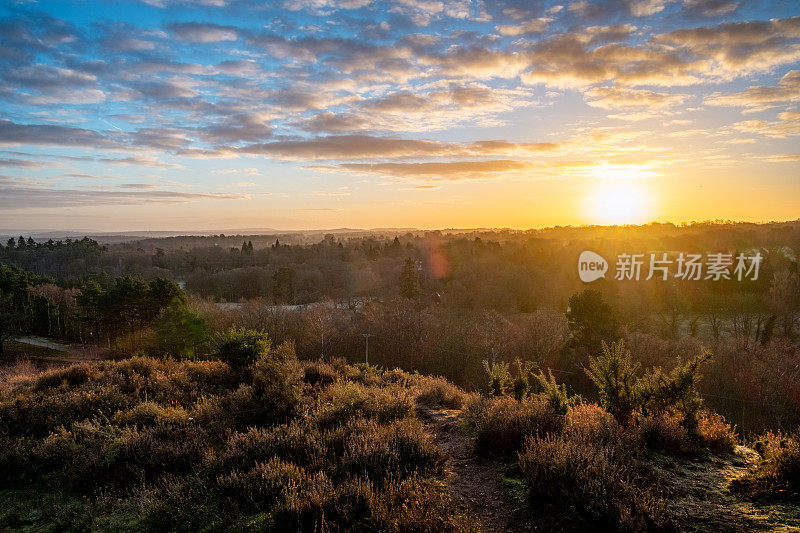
[409,282]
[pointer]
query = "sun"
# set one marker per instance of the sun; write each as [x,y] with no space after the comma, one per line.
[620,196]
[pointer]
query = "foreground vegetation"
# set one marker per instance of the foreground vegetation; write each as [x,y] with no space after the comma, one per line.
[260,441]
[253,439]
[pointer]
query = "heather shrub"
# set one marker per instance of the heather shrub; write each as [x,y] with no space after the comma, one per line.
[438,392]
[664,433]
[401,377]
[295,442]
[415,504]
[27,413]
[343,401]
[263,485]
[68,377]
[148,414]
[379,452]
[80,457]
[716,434]
[304,506]
[319,373]
[586,485]
[777,477]
[15,375]
[591,423]
[503,424]
[234,410]
[146,454]
[210,376]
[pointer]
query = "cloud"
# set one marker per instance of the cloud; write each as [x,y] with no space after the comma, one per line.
[567,61]
[20,197]
[239,67]
[537,25]
[75,97]
[138,186]
[448,170]
[734,49]
[787,125]
[618,97]
[478,62]
[783,158]
[408,111]
[24,163]
[44,77]
[644,8]
[354,147]
[605,9]
[335,123]
[711,8]
[682,57]
[242,127]
[139,160]
[761,97]
[197,32]
[46,134]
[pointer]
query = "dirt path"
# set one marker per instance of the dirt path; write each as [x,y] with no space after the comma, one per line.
[474,484]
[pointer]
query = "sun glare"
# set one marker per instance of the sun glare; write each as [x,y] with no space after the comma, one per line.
[620,201]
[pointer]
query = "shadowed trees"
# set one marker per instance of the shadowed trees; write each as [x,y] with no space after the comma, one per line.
[590,319]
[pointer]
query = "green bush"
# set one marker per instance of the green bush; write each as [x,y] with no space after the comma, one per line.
[240,347]
[614,374]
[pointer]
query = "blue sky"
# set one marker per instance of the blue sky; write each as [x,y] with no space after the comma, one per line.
[220,114]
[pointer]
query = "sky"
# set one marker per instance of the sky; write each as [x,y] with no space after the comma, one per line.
[304,114]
